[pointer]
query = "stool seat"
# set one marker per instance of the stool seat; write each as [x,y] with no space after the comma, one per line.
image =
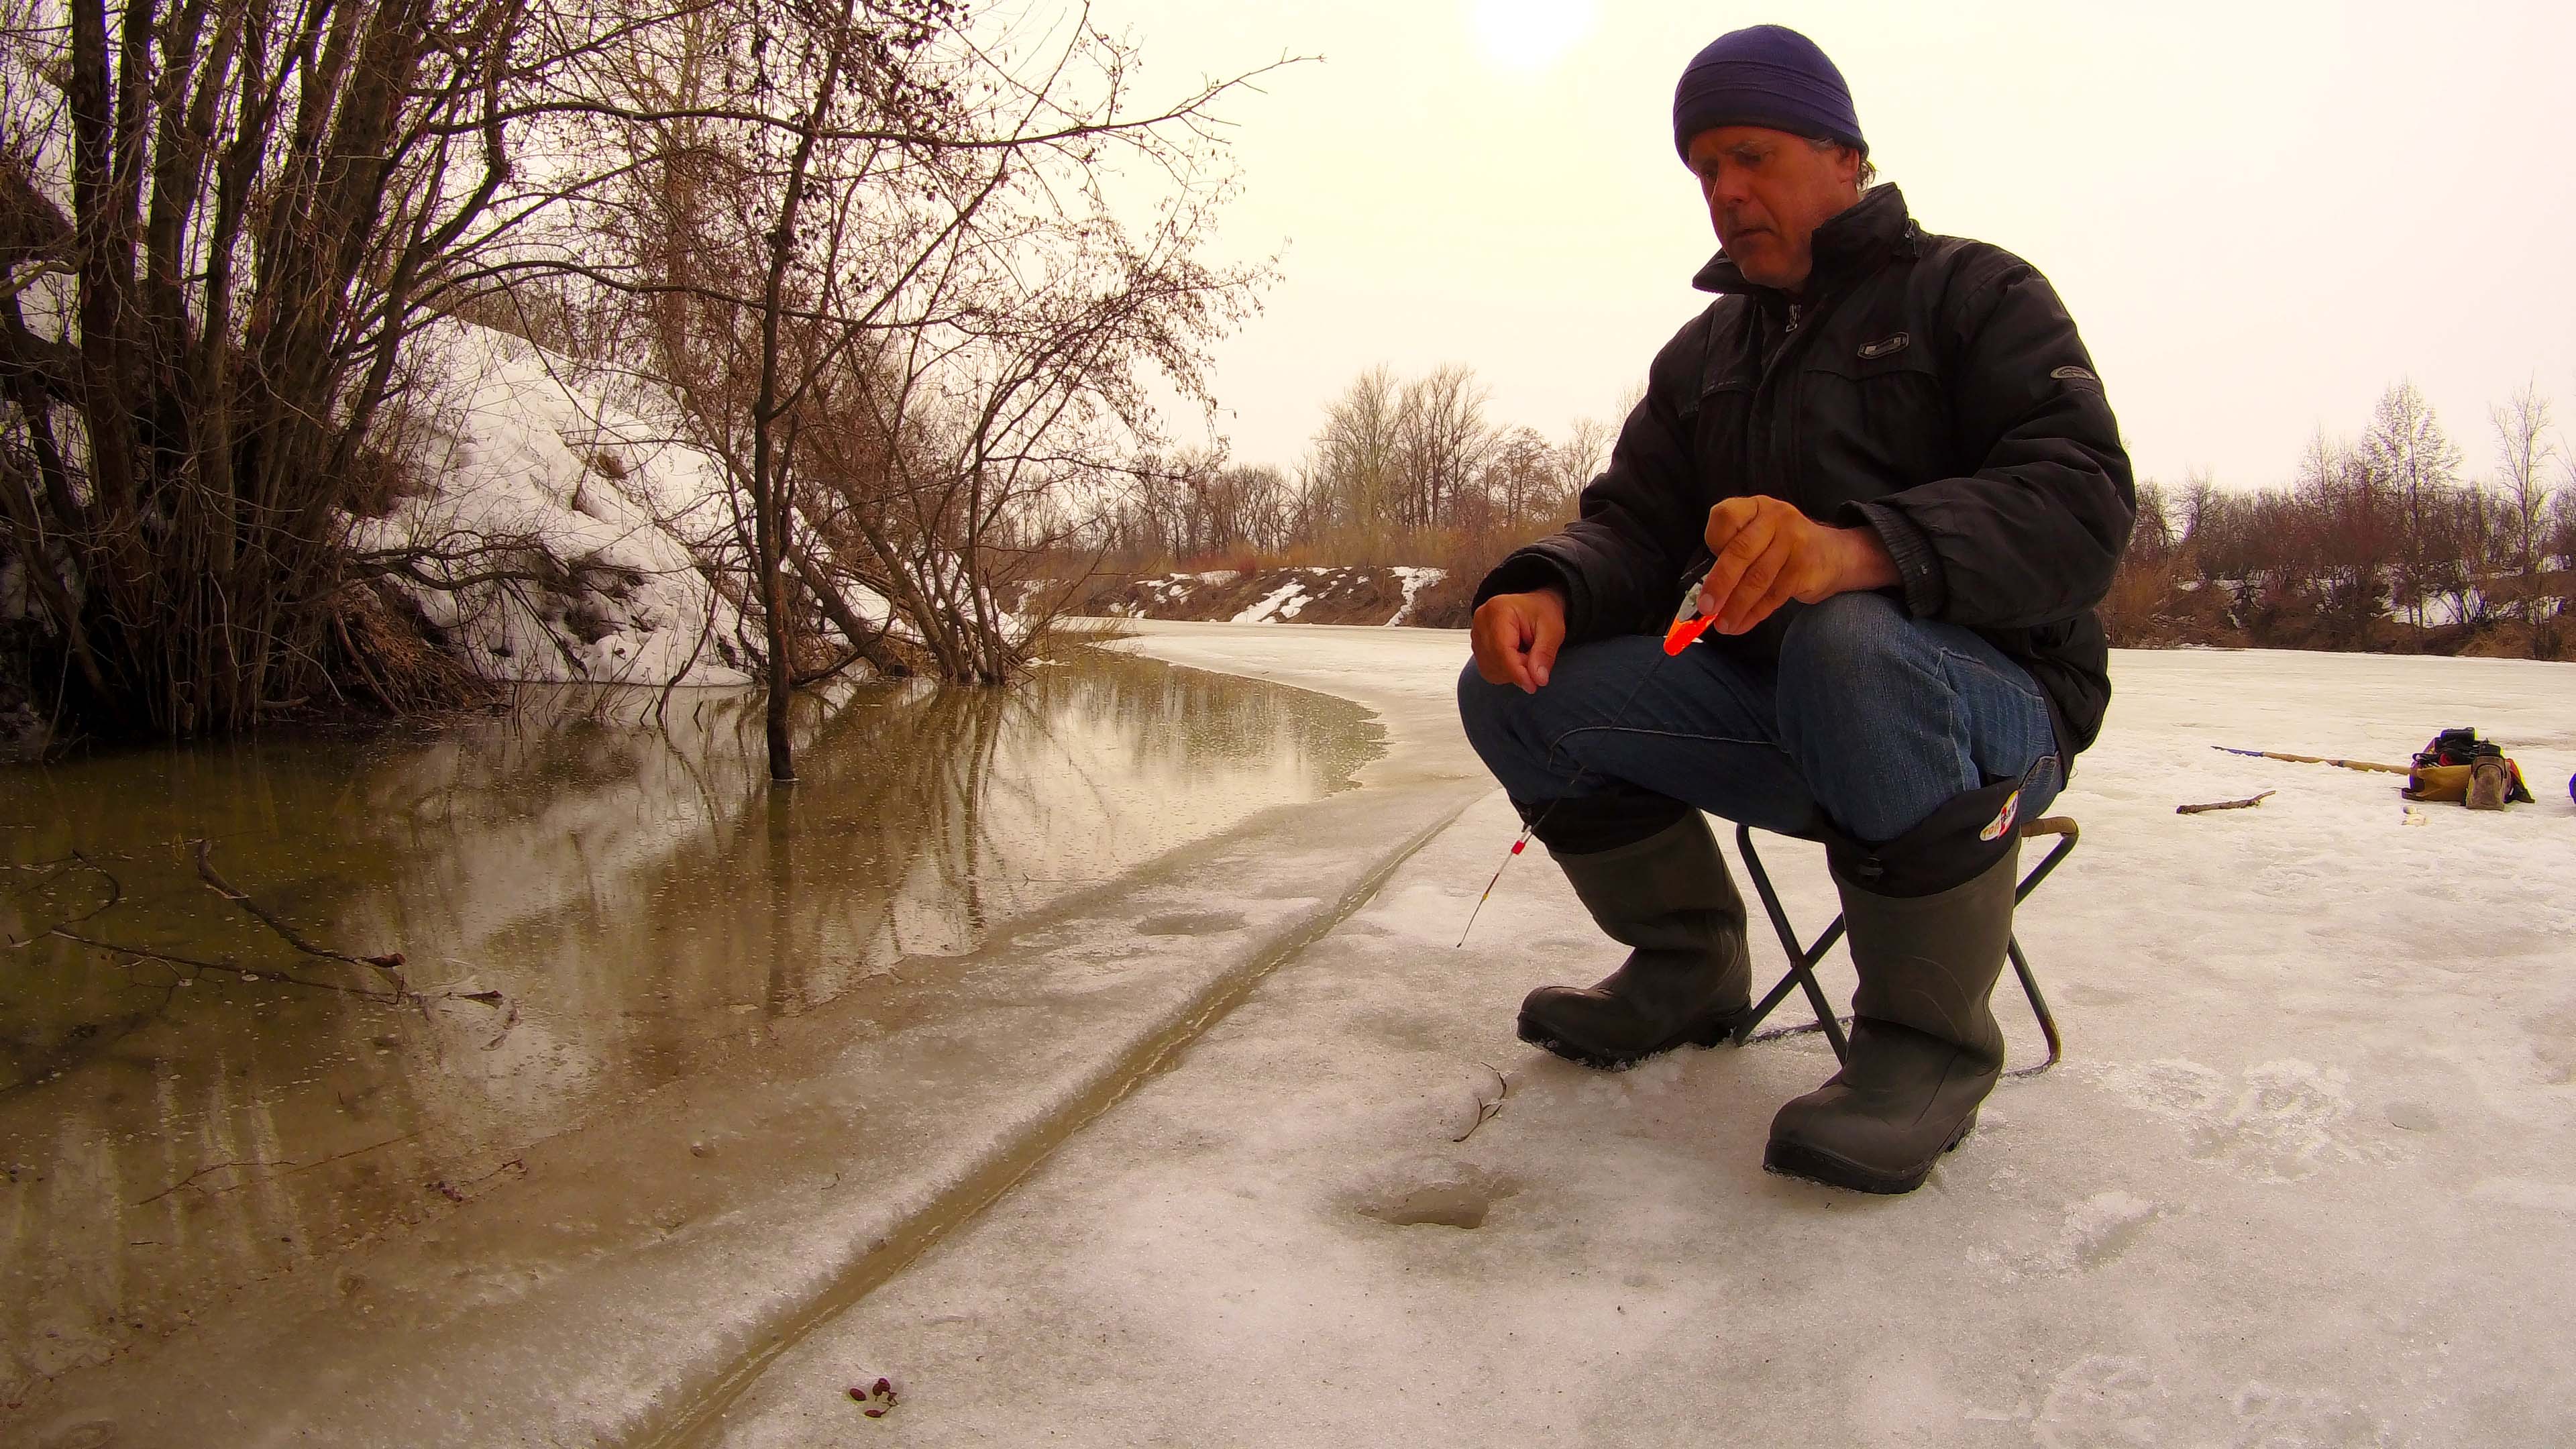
[1802,960]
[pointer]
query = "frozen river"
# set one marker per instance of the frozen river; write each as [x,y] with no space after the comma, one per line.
[1177,1162]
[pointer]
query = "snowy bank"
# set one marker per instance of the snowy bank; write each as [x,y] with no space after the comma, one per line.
[603,532]
[566,538]
[1330,594]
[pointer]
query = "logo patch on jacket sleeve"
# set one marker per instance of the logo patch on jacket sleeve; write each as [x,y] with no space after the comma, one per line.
[1885,346]
[2003,820]
[2075,374]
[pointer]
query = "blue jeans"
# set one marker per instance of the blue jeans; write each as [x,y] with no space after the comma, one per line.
[1871,719]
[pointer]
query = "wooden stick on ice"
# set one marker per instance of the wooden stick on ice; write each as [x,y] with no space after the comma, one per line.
[2246,804]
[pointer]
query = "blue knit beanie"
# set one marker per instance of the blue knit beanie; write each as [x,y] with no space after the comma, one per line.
[1764,75]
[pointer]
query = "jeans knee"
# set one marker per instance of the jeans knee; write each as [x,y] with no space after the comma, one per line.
[1481,709]
[1847,640]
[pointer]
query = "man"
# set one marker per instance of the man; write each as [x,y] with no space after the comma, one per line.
[1891,455]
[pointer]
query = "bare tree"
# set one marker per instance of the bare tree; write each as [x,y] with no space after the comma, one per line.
[2152,538]
[1442,443]
[1354,477]
[1582,456]
[833,35]
[952,320]
[1521,478]
[221,222]
[2561,545]
[1254,506]
[2406,451]
[2352,524]
[2525,452]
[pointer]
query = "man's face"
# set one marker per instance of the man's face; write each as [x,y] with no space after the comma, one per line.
[1767,193]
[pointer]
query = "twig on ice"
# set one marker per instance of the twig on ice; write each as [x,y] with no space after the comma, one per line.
[1487,1108]
[2247,803]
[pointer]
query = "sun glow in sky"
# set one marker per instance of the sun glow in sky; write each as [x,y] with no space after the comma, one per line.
[1525,36]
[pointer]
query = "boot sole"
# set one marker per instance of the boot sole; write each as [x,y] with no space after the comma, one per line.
[1796,1159]
[1707,1032]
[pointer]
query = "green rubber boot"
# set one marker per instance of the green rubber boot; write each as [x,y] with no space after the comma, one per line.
[1925,1049]
[1688,979]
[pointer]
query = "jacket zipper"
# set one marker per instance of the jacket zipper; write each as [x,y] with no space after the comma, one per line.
[1784,448]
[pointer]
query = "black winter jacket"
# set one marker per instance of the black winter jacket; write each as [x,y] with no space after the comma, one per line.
[1932,388]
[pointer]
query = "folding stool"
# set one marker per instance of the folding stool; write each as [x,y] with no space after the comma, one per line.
[1802,961]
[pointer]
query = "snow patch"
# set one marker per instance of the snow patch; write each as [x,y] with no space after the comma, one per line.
[1278,606]
[589,541]
[1415,580]
[595,526]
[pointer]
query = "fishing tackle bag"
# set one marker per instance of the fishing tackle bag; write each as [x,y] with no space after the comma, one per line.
[2456,765]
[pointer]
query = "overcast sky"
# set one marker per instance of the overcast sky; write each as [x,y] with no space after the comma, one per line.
[2260,214]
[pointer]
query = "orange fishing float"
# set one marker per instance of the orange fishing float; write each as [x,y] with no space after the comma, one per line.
[1685,629]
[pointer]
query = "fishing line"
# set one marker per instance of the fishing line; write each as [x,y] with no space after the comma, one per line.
[1688,624]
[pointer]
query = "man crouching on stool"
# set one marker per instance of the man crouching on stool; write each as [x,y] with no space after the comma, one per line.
[1895,447]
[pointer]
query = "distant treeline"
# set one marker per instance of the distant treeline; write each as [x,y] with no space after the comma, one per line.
[2383,541]
[1404,470]
[2380,542]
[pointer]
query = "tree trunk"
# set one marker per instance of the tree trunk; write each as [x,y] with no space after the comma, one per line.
[769,517]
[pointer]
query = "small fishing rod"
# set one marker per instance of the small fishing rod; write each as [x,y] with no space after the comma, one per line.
[1688,624]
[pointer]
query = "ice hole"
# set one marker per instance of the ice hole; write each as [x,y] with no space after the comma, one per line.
[1456,1197]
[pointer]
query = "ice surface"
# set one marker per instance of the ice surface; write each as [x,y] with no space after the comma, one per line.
[2302,1180]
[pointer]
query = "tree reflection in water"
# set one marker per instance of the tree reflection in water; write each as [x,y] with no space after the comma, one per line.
[641,898]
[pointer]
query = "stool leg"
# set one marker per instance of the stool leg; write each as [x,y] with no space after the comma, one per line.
[1826,1019]
[1802,960]
[1780,990]
[2038,1008]
[2066,842]
[2065,846]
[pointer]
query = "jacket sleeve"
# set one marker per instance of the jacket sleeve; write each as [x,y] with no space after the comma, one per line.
[2032,537]
[1619,564]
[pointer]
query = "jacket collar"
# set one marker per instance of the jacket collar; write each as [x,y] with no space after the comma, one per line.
[1849,244]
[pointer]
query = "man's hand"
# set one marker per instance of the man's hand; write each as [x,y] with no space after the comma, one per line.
[1517,636]
[1769,553]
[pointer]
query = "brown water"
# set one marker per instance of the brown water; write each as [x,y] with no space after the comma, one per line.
[588,909]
